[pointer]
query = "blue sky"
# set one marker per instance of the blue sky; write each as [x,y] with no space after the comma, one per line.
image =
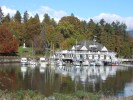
[110,10]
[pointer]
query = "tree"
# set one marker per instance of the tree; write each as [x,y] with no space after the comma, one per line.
[8,43]
[7,19]
[66,29]
[17,17]
[102,22]
[125,50]
[33,30]
[25,17]
[43,44]
[51,35]
[18,30]
[1,15]
[73,21]
[72,14]
[91,29]
[98,32]
[68,43]
[53,22]
[70,26]
[37,17]
[46,19]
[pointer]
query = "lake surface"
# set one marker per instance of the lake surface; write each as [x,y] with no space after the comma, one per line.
[112,80]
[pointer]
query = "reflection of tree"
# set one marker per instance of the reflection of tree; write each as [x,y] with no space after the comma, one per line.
[117,83]
[67,85]
[8,78]
[49,81]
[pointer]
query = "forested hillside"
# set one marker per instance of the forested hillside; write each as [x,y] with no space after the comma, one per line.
[63,34]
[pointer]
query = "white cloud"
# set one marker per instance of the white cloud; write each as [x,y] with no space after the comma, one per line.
[58,14]
[51,12]
[113,17]
[6,10]
[129,23]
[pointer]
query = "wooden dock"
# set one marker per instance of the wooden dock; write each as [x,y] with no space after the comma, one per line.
[9,59]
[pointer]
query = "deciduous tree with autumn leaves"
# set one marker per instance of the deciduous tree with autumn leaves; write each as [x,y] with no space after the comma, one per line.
[8,42]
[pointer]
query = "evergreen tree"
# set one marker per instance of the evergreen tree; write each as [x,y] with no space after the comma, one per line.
[53,22]
[7,18]
[37,17]
[72,14]
[84,26]
[46,19]
[91,26]
[17,17]
[102,22]
[1,16]
[25,17]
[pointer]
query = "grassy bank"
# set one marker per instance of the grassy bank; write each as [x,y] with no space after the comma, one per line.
[32,95]
[24,51]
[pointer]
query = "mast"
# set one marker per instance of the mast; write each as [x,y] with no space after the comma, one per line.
[32,50]
[76,50]
[94,44]
[94,40]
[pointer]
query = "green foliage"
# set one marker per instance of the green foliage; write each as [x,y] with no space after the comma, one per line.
[7,18]
[78,95]
[126,51]
[1,15]
[17,17]
[87,95]
[32,95]
[70,26]
[47,19]
[64,97]
[25,16]
[24,51]
[68,29]
[37,17]
[21,95]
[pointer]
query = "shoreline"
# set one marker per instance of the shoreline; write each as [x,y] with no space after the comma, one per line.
[121,98]
[9,59]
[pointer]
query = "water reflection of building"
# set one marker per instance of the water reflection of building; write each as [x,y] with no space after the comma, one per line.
[42,69]
[23,70]
[86,75]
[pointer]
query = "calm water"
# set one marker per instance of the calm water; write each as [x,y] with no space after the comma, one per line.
[114,80]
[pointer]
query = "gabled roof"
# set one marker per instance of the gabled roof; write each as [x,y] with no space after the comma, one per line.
[104,49]
[73,48]
[83,48]
[88,45]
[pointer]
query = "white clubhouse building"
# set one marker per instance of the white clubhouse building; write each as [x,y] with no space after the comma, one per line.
[87,50]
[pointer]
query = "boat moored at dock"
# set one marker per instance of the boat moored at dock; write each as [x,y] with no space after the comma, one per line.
[24,61]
